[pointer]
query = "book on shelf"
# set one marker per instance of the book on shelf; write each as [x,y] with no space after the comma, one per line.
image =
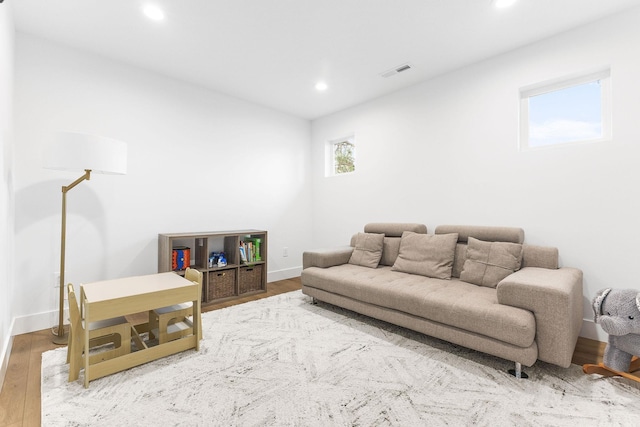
[250,250]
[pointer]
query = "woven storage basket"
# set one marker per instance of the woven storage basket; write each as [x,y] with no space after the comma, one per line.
[222,284]
[250,279]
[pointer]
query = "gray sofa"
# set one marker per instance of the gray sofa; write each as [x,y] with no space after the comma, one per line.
[502,297]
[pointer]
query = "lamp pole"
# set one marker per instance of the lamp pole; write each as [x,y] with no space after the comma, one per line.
[60,336]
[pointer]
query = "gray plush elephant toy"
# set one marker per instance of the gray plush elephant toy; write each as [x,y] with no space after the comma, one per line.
[618,312]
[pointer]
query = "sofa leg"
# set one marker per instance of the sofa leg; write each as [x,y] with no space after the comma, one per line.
[517,372]
[314,301]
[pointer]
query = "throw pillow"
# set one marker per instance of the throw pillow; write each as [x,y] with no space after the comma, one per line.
[428,255]
[488,263]
[368,250]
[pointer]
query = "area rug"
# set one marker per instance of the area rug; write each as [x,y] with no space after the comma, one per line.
[282,361]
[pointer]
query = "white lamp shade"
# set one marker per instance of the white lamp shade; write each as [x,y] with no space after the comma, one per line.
[78,151]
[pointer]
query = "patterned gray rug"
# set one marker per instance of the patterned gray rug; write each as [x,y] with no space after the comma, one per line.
[281,361]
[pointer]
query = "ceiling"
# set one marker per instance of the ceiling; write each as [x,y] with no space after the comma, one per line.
[273,52]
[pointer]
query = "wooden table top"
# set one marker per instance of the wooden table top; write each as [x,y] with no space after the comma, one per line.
[105,290]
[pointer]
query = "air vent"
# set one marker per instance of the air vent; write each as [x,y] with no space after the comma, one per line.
[396,70]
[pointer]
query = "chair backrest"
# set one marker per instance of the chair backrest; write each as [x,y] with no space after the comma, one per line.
[193,275]
[74,310]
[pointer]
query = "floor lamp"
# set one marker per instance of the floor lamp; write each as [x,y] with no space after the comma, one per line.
[88,153]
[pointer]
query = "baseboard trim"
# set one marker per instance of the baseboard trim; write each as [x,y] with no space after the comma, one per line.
[37,322]
[7,346]
[286,273]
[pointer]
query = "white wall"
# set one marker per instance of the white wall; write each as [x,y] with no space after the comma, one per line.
[445,152]
[198,161]
[6,185]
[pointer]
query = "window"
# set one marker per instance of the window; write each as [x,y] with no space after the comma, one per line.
[341,156]
[569,110]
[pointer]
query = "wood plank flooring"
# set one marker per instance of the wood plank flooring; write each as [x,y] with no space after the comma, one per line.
[20,396]
[588,351]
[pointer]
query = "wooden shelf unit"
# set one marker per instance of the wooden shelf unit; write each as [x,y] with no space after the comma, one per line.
[236,279]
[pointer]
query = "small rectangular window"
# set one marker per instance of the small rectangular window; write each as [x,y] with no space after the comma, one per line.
[564,111]
[341,156]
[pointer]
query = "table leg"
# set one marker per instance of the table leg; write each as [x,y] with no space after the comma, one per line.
[197,322]
[86,347]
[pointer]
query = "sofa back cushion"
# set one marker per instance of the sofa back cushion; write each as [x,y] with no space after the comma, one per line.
[390,250]
[394,229]
[539,256]
[487,234]
[458,261]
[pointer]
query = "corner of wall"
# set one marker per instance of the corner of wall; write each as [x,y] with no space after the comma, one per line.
[5,354]
[592,330]
[7,43]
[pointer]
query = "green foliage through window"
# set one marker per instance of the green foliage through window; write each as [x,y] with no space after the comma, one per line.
[344,155]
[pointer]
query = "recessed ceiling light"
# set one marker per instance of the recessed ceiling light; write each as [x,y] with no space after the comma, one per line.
[153,12]
[321,86]
[500,4]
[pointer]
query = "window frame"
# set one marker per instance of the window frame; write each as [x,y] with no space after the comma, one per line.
[603,75]
[330,163]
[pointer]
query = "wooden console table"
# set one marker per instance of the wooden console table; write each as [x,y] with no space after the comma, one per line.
[112,298]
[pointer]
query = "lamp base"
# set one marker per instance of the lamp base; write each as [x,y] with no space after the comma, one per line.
[60,340]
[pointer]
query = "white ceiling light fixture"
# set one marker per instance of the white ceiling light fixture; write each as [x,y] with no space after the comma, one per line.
[321,86]
[501,4]
[153,12]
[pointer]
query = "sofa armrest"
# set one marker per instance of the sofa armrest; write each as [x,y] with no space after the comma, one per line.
[555,298]
[325,258]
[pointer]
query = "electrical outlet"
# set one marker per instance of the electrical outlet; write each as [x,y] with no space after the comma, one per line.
[285,251]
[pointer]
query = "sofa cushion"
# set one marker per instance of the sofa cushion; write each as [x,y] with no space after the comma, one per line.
[458,261]
[368,250]
[487,234]
[487,263]
[426,254]
[539,256]
[451,302]
[394,229]
[390,250]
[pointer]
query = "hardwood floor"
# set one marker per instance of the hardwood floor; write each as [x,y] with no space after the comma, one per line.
[588,351]
[20,396]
